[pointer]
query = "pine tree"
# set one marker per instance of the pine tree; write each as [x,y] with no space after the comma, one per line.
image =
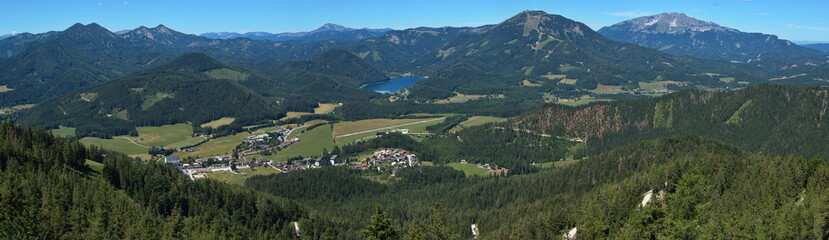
[380,227]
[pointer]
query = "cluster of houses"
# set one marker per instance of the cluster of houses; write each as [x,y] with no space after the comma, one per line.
[388,159]
[308,163]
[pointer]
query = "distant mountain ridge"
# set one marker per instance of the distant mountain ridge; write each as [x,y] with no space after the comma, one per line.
[679,34]
[329,31]
[823,47]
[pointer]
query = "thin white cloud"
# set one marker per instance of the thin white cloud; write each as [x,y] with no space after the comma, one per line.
[745,0]
[762,14]
[125,2]
[636,13]
[795,26]
[100,4]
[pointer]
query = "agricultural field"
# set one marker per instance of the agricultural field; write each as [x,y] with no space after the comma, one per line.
[5,88]
[528,83]
[118,143]
[169,136]
[477,120]
[218,146]
[607,89]
[583,101]
[659,85]
[348,132]
[95,166]
[461,98]
[63,131]
[324,108]
[311,143]
[244,174]
[469,169]
[219,122]
[556,163]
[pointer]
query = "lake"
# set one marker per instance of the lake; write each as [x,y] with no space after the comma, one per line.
[393,85]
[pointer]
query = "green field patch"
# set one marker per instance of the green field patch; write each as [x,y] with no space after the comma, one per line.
[528,83]
[218,122]
[349,127]
[118,143]
[567,67]
[5,88]
[89,97]
[244,174]
[326,108]
[224,73]
[568,81]
[659,85]
[462,98]
[663,116]
[413,128]
[583,101]
[63,131]
[476,121]
[164,135]
[218,146]
[311,143]
[469,169]
[607,89]
[562,163]
[150,100]
[95,166]
[554,76]
[727,79]
[737,117]
[123,114]
[743,82]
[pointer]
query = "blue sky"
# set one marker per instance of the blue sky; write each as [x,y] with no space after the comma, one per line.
[798,20]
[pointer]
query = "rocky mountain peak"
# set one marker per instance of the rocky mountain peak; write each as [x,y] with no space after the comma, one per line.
[671,23]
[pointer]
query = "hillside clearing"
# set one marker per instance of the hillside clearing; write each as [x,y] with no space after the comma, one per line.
[219,122]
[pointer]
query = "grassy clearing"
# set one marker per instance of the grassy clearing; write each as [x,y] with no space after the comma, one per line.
[528,83]
[311,144]
[414,128]
[242,176]
[658,85]
[5,88]
[219,122]
[218,146]
[557,163]
[727,79]
[584,101]
[95,166]
[164,135]
[63,131]
[568,81]
[369,124]
[554,76]
[151,100]
[477,120]
[469,169]
[607,89]
[461,98]
[118,144]
[326,108]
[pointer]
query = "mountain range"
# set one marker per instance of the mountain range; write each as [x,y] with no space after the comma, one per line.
[329,31]
[823,47]
[679,34]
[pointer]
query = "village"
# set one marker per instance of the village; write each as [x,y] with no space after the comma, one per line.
[382,160]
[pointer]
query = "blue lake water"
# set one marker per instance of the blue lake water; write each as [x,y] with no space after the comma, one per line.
[393,85]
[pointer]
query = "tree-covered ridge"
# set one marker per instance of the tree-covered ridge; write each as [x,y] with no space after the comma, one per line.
[699,188]
[49,193]
[534,44]
[182,90]
[773,119]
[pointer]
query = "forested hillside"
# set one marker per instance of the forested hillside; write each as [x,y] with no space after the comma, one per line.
[774,119]
[57,189]
[700,189]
